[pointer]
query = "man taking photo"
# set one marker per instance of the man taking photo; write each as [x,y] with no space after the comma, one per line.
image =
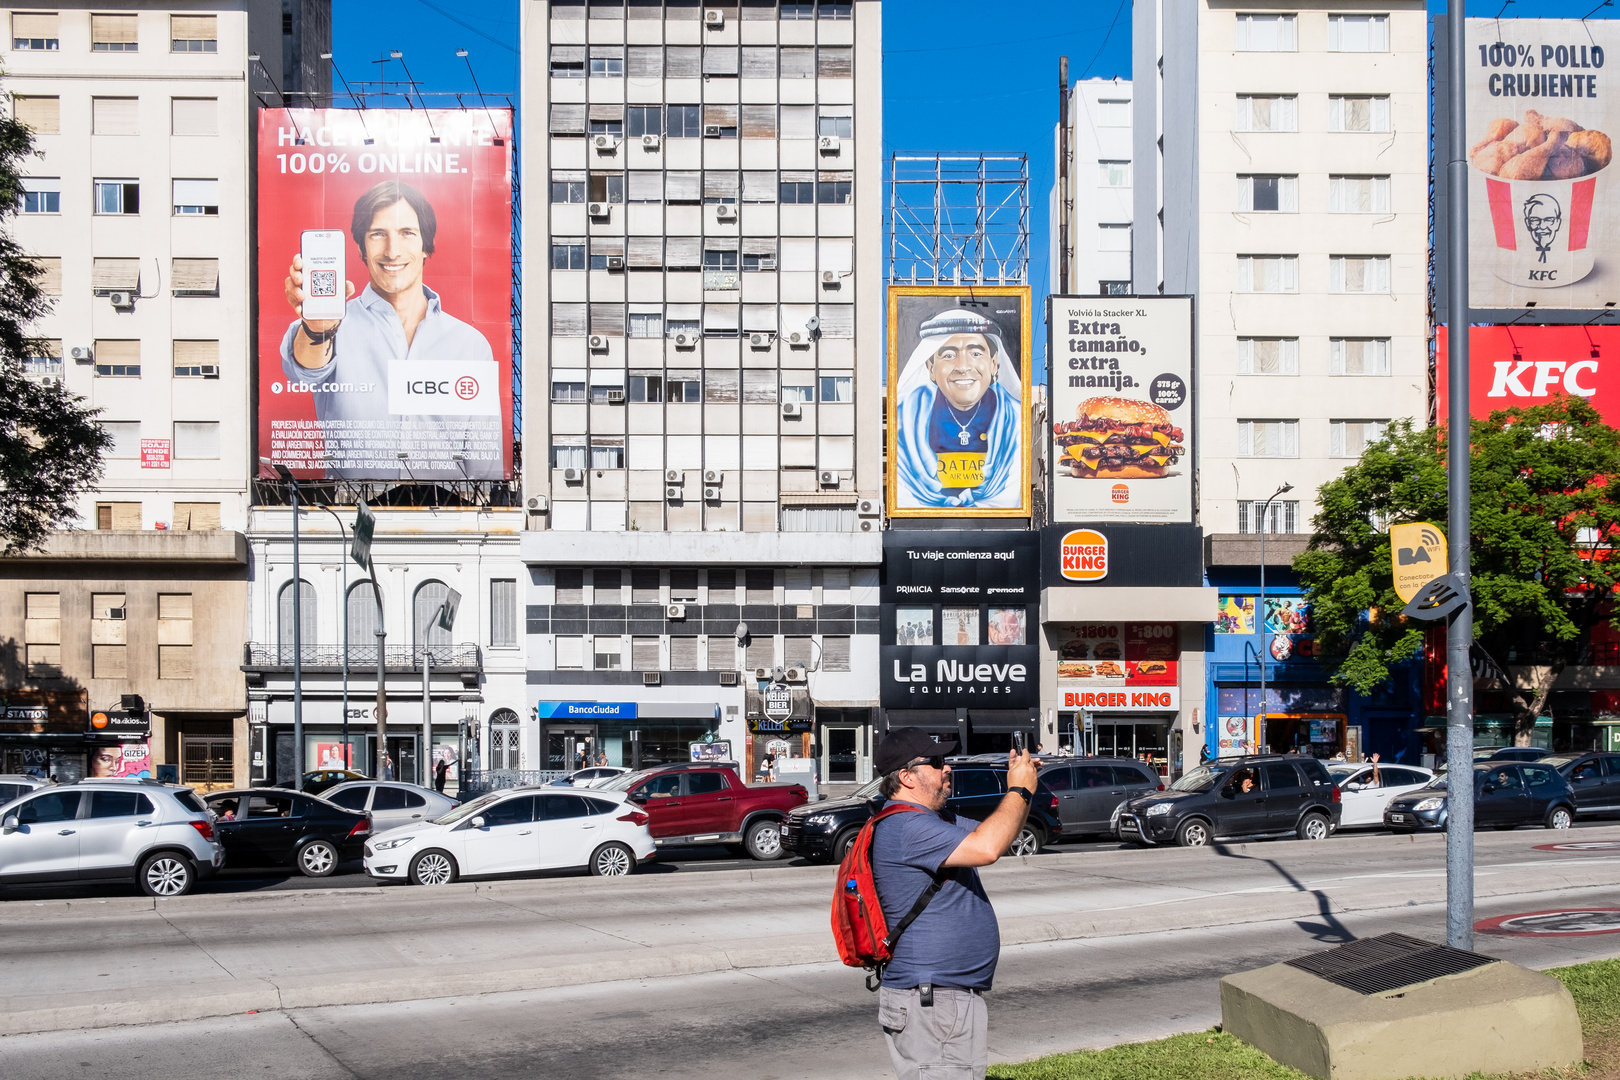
[930,1003]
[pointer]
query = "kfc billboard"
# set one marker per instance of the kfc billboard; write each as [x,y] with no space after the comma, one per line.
[1544,226]
[1519,366]
[393,228]
[959,388]
[1122,409]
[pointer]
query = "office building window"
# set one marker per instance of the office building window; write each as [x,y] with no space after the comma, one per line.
[1358,33]
[1266,112]
[644,120]
[126,439]
[818,519]
[1358,194]
[41,195]
[192,277]
[1282,518]
[607,653]
[568,254]
[607,61]
[722,652]
[118,515]
[1356,113]
[1114,236]
[644,654]
[797,391]
[646,388]
[43,364]
[1114,174]
[607,453]
[683,652]
[203,517]
[196,197]
[840,125]
[174,636]
[1268,356]
[1358,273]
[109,636]
[1265,32]
[50,277]
[41,115]
[838,389]
[34,31]
[112,33]
[567,187]
[570,653]
[1358,356]
[796,189]
[570,586]
[1114,288]
[684,121]
[503,612]
[196,359]
[1268,273]
[194,33]
[683,586]
[118,197]
[194,116]
[1268,194]
[118,359]
[1348,438]
[568,61]
[196,439]
[569,456]
[1268,438]
[835,654]
[568,386]
[835,188]
[108,275]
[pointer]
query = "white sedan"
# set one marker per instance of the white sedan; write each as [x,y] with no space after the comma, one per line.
[1363,797]
[517,831]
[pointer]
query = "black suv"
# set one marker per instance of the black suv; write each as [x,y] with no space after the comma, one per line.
[1259,796]
[823,831]
[1595,778]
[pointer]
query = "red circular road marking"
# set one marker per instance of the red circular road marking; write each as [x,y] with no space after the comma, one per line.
[1581,845]
[1559,922]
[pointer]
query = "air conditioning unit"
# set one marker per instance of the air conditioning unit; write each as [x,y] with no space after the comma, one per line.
[868,525]
[598,343]
[713,476]
[573,476]
[798,338]
[762,674]
[651,678]
[831,277]
[82,354]
[714,18]
[606,143]
[675,611]
[674,476]
[728,678]
[599,209]
[795,674]
[649,142]
[760,341]
[208,371]
[828,478]
[117,613]
[725,213]
[674,494]
[869,508]
[711,494]
[685,341]
[615,262]
[537,504]
[828,144]
[615,397]
[792,410]
[711,131]
[122,301]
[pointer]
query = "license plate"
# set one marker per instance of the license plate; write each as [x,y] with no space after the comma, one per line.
[1397,817]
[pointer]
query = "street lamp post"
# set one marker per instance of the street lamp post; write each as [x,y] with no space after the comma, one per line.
[1265,635]
[298,630]
[348,761]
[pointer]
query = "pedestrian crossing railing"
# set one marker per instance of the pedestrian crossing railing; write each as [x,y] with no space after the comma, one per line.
[483,781]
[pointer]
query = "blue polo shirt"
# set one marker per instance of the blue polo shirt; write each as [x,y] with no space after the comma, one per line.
[955,942]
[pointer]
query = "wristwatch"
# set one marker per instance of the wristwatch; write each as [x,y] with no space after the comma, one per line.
[319,338]
[1029,796]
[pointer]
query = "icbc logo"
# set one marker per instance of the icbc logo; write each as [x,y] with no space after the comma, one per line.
[466,388]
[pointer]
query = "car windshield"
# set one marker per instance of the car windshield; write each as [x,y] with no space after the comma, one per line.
[626,781]
[1558,761]
[467,809]
[1199,780]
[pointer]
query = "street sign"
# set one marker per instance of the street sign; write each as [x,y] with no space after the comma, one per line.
[447,611]
[1417,555]
[1437,599]
[365,524]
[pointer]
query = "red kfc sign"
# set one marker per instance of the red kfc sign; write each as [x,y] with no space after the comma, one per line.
[1520,366]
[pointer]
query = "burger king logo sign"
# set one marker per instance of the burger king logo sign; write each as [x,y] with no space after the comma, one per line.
[1084,555]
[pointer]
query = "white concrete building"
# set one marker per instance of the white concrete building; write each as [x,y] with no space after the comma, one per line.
[702,371]
[1285,152]
[1097,187]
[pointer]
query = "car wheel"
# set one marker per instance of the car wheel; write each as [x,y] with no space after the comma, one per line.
[318,858]
[1193,833]
[433,868]
[1560,818]
[1028,841]
[1313,827]
[841,845]
[613,860]
[764,840]
[167,874]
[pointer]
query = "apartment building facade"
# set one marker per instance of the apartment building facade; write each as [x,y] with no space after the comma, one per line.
[137,204]
[1281,180]
[1092,233]
[703,368]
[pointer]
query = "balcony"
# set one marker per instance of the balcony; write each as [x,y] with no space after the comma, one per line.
[262,657]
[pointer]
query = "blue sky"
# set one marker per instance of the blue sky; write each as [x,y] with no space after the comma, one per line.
[951,80]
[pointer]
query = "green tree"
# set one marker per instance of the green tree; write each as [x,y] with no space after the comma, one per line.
[50,443]
[1542,580]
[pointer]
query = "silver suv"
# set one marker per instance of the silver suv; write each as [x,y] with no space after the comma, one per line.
[16,785]
[158,835]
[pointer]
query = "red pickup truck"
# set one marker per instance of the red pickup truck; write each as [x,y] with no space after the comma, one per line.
[709,804]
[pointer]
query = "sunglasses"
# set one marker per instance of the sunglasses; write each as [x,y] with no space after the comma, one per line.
[935,762]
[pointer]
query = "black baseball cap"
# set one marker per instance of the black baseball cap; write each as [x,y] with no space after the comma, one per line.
[903,744]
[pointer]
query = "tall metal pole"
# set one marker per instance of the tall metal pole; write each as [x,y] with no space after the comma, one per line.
[1265,633]
[382,660]
[1460,634]
[422,758]
[348,758]
[298,650]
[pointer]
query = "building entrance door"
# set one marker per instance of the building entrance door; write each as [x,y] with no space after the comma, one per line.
[570,748]
[840,754]
[504,731]
[206,762]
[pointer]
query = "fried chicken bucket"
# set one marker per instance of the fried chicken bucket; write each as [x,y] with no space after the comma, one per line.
[1541,178]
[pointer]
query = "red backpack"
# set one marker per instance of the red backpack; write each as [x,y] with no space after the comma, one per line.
[863,936]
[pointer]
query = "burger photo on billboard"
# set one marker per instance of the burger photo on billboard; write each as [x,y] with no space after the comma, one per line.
[1118,438]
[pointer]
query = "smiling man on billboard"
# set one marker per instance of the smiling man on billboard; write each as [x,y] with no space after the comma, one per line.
[396,370]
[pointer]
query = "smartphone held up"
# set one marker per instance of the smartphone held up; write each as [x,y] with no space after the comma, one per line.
[321,253]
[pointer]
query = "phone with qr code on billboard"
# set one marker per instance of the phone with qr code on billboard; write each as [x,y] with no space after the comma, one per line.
[321,253]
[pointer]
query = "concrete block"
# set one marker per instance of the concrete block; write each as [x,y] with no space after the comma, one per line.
[1500,1018]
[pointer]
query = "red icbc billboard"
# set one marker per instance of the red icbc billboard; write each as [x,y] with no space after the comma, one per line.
[385,290]
[1521,366]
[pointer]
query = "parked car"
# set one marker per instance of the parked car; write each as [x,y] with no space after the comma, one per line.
[517,831]
[1364,793]
[1090,789]
[15,785]
[1595,779]
[277,827]
[823,831]
[160,836]
[1264,795]
[1507,794]
[709,804]
[390,805]
[595,776]
[1518,753]
[320,780]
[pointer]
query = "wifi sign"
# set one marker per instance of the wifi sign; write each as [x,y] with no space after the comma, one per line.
[1417,555]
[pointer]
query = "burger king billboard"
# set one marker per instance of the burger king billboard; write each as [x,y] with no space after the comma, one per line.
[1122,408]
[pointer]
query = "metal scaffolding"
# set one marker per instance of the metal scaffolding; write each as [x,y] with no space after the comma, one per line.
[958,219]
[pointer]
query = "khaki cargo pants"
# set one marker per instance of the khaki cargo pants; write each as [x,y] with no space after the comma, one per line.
[945,1041]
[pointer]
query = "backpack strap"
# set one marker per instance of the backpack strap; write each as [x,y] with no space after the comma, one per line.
[874,980]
